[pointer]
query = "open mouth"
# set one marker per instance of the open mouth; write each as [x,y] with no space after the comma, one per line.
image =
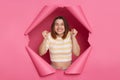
[59,30]
[34,33]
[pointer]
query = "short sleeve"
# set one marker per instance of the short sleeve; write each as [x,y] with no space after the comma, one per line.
[47,44]
[69,35]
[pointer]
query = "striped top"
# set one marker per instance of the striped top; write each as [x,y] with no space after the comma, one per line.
[60,50]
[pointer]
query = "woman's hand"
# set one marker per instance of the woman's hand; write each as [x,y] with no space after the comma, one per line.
[74,32]
[45,34]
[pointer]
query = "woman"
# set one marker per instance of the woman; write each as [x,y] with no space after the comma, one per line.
[61,43]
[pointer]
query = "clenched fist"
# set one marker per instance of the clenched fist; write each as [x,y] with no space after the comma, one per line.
[45,34]
[74,32]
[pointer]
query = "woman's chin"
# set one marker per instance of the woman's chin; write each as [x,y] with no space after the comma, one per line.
[60,33]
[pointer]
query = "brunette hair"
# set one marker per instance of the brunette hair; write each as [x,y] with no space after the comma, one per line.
[53,33]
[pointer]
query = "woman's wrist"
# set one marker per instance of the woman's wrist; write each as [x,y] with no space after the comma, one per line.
[73,37]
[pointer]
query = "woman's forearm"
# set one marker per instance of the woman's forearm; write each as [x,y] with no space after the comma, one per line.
[76,47]
[42,48]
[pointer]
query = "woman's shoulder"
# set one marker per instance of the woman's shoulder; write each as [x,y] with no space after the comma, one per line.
[49,35]
[69,33]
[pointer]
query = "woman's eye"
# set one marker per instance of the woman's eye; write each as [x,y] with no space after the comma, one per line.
[56,24]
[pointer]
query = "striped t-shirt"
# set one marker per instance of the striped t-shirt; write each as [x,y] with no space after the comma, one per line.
[60,49]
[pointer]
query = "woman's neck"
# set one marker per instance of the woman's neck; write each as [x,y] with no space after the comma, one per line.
[60,35]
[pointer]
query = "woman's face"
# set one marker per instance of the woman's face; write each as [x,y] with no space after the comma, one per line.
[59,27]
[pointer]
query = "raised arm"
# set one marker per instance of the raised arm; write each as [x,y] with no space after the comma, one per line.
[75,45]
[44,45]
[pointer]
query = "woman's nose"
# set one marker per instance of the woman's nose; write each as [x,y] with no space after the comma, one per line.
[59,26]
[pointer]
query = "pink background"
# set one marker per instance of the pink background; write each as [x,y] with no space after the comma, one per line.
[103,62]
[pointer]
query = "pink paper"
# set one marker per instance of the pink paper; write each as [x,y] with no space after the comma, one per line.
[42,67]
[21,25]
[78,65]
[48,13]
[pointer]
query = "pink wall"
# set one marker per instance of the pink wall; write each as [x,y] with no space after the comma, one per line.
[103,62]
